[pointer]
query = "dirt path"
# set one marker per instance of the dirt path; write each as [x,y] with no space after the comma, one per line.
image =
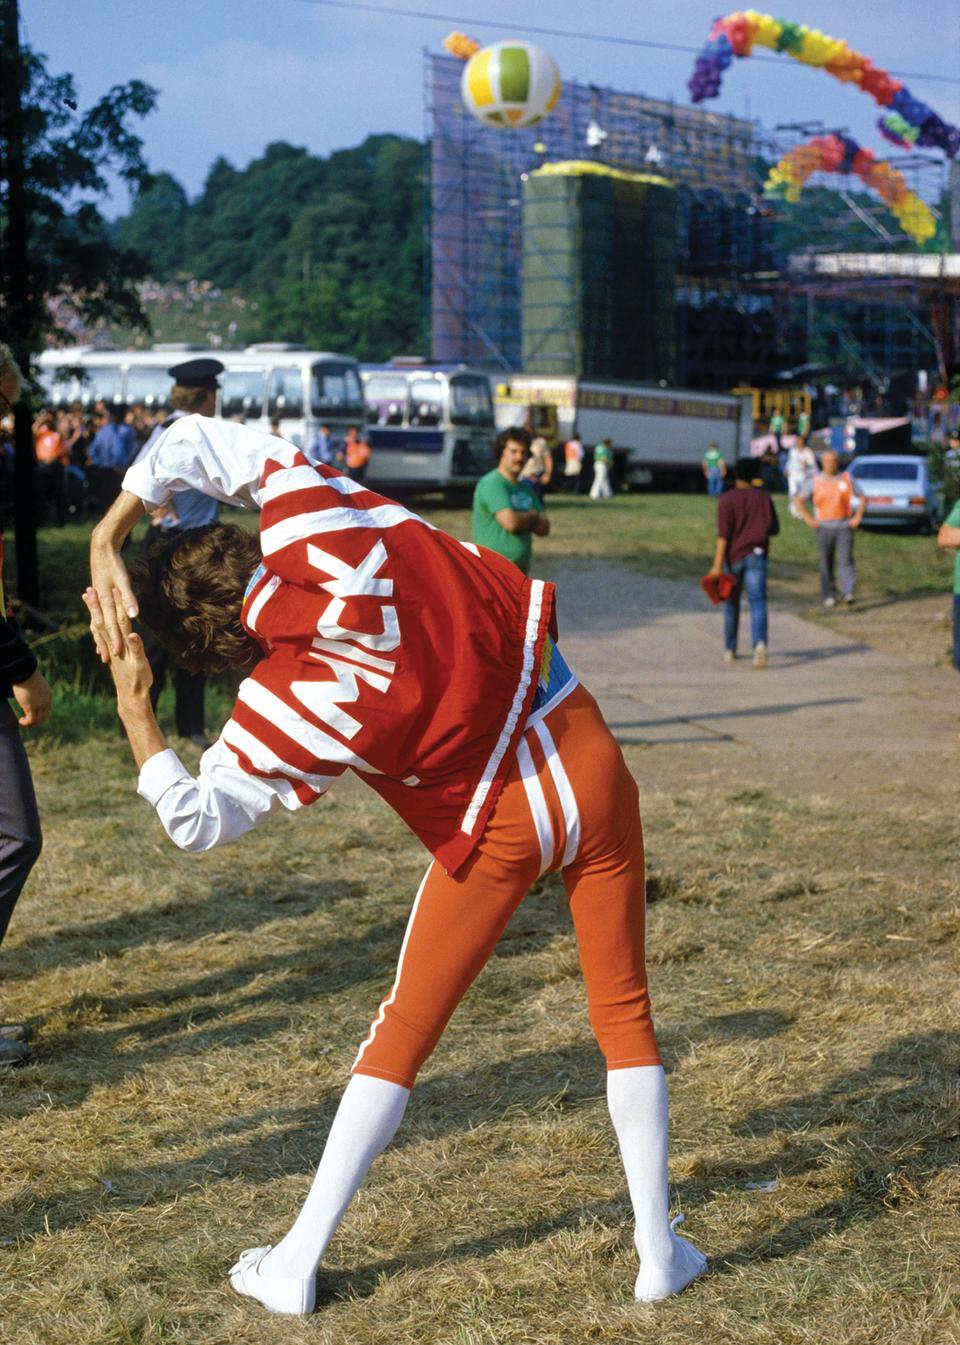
[830,712]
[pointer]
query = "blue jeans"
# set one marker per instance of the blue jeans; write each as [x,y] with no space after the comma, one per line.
[956,631]
[750,572]
[714,481]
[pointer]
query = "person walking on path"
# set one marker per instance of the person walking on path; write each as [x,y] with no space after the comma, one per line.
[714,470]
[801,469]
[835,518]
[572,464]
[194,392]
[538,468]
[949,538]
[20,835]
[746,520]
[602,467]
[507,511]
[430,667]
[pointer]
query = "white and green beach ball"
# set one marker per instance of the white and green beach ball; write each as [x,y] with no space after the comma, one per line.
[510,84]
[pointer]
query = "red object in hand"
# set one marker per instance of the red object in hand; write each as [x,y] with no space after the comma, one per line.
[718,587]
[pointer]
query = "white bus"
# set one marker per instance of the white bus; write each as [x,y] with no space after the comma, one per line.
[302,389]
[657,433]
[429,427]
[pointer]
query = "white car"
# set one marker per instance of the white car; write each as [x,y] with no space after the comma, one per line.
[898,489]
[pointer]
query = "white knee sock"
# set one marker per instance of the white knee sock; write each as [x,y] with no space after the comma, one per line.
[366,1121]
[637,1099]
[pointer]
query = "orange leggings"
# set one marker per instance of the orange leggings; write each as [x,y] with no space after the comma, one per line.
[569,803]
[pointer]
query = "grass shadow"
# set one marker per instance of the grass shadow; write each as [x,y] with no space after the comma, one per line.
[444,1104]
[894,1135]
[177,922]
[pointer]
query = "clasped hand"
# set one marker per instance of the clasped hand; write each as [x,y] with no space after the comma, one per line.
[128,664]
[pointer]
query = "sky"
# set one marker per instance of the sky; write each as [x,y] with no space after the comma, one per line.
[234,75]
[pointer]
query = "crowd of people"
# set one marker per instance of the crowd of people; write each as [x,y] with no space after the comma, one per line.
[82,454]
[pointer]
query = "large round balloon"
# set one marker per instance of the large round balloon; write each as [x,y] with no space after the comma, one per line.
[510,84]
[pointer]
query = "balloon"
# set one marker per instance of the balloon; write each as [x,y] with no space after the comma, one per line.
[458,44]
[839,154]
[738,33]
[510,84]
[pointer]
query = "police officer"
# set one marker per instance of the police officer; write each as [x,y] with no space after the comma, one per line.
[194,392]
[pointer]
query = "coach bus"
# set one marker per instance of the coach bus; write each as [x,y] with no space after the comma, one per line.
[273,381]
[430,427]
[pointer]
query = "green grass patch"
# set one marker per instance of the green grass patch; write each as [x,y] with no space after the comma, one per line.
[673,537]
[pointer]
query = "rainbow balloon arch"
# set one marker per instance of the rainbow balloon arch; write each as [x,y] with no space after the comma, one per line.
[908,123]
[837,153]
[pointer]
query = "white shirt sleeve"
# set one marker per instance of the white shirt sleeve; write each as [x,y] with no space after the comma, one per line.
[224,802]
[217,457]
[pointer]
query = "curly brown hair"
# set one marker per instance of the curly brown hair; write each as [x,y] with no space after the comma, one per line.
[190,590]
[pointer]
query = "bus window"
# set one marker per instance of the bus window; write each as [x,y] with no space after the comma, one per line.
[386,398]
[336,388]
[148,385]
[103,383]
[285,393]
[470,400]
[64,386]
[426,401]
[242,393]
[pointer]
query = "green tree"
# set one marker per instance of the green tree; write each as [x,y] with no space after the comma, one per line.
[54,166]
[156,227]
[327,251]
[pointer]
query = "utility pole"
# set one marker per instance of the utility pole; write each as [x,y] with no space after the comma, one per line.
[20,298]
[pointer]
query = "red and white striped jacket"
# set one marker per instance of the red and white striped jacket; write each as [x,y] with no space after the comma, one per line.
[390,648]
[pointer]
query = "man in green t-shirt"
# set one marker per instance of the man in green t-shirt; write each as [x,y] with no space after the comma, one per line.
[506,509]
[714,470]
[949,537]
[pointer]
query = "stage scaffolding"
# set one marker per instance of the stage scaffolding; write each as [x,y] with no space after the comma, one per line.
[742,313]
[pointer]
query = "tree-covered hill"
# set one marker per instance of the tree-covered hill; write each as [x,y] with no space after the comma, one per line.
[324,251]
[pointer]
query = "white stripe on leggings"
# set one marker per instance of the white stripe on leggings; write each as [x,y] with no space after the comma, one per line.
[571,814]
[537,802]
[393,993]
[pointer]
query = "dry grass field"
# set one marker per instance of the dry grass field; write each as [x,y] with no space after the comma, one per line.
[195,1017]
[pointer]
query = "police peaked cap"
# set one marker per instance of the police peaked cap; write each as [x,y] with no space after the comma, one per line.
[196,373]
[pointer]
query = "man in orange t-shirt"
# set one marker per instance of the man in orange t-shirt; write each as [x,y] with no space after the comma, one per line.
[51,454]
[838,504]
[356,452]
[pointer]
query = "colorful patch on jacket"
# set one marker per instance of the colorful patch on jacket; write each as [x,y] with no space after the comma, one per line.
[555,676]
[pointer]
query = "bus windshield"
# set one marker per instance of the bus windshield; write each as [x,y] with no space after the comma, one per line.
[285,393]
[426,401]
[335,387]
[242,393]
[470,400]
[386,398]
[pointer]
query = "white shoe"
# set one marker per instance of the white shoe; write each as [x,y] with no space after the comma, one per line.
[829,602]
[760,655]
[279,1293]
[728,656]
[657,1282]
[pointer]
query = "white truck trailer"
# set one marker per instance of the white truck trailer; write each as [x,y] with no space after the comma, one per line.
[656,432]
